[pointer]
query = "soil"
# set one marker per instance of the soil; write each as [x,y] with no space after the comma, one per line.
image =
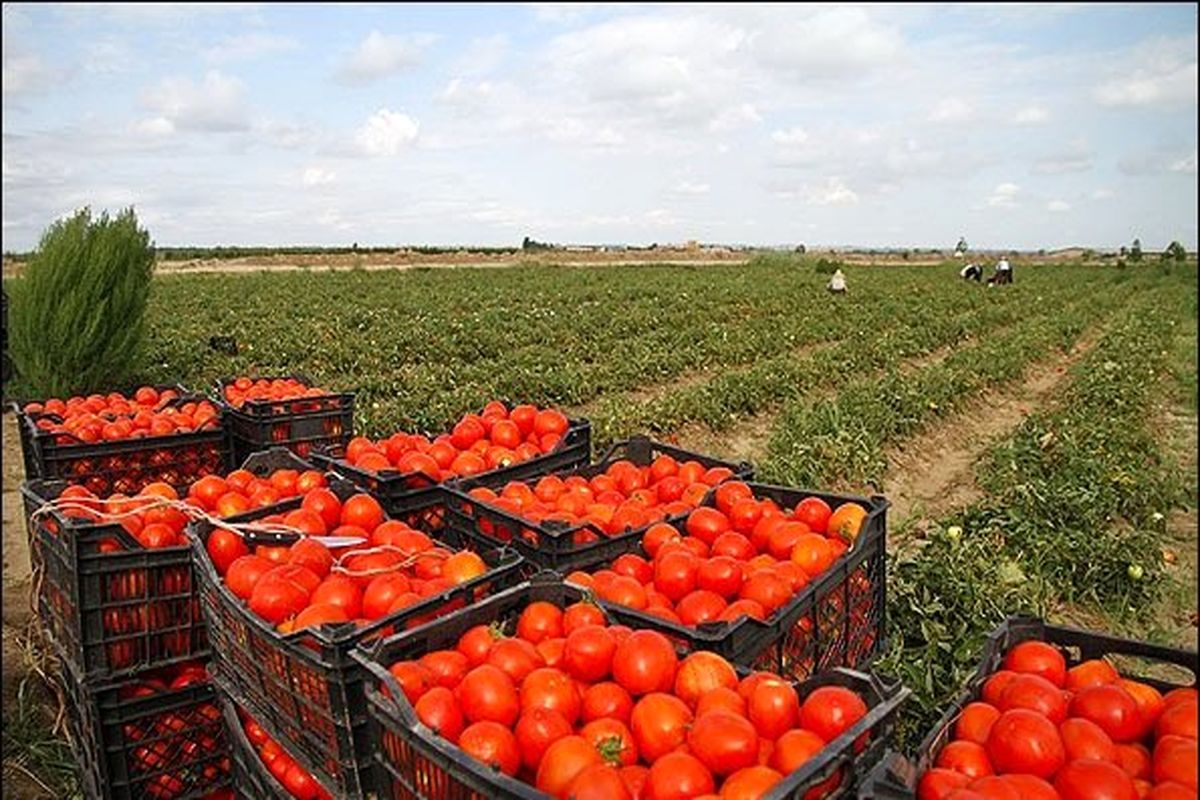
[933,473]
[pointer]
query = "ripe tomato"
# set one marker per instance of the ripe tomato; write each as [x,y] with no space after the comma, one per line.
[438,709]
[774,709]
[975,722]
[554,689]
[562,761]
[722,698]
[700,606]
[1093,672]
[1149,702]
[225,547]
[317,614]
[1177,719]
[493,744]
[540,620]
[414,679]
[1025,741]
[487,693]
[381,594]
[1083,738]
[536,730]
[702,672]
[1175,760]
[276,599]
[599,782]
[723,742]
[645,662]
[675,574]
[1038,658]
[830,710]
[516,657]
[613,741]
[752,783]
[939,784]
[1094,780]
[994,686]
[362,510]
[1110,707]
[659,723]
[446,667]
[1037,694]
[582,613]
[339,590]
[1031,787]
[588,653]
[325,504]
[767,589]
[966,757]
[606,700]
[813,512]
[678,776]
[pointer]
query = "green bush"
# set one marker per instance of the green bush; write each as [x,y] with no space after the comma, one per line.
[76,313]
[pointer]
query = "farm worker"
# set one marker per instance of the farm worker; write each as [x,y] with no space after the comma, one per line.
[970,271]
[1003,271]
[837,283]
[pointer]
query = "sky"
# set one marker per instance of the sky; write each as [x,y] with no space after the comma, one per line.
[1019,126]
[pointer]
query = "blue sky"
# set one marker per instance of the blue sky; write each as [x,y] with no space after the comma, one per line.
[1017,126]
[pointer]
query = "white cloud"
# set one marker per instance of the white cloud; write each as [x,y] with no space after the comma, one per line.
[790,137]
[108,57]
[1004,196]
[735,117]
[1159,73]
[1058,206]
[25,72]
[1102,194]
[1187,164]
[1076,157]
[952,110]
[283,134]
[247,46]
[482,55]
[691,188]
[380,55]
[332,218]
[834,192]
[215,104]
[828,43]
[386,133]
[154,126]
[317,176]
[1031,115]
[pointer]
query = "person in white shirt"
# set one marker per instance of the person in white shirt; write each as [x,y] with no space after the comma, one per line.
[837,283]
[1003,271]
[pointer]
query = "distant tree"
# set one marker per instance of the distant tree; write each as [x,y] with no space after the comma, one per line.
[1175,252]
[801,249]
[1124,251]
[1135,251]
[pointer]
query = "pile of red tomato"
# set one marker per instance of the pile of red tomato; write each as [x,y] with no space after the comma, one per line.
[746,556]
[241,491]
[296,780]
[114,417]
[243,389]
[586,710]
[495,438]
[623,497]
[1041,731]
[298,586]
[179,744]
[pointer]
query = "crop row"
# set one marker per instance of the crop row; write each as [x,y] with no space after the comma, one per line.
[1068,517]
[842,438]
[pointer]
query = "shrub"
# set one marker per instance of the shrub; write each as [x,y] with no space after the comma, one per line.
[77,312]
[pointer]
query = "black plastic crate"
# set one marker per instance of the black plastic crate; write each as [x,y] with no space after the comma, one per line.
[413,762]
[556,545]
[303,687]
[110,614]
[837,620]
[896,776]
[299,424]
[128,465]
[418,501]
[251,776]
[168,744]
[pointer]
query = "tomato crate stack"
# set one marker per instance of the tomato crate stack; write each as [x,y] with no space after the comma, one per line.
[157,734]
[835,619]
[411,483]
[553,543]
[1117,727]
[638,702]
[116,444]
[289,411]
[301,685]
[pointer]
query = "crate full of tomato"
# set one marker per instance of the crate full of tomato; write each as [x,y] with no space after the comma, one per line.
[116,444]
[287,593]
[1061,714]
[580,517]
[408,471]
[290,411]
[157,734]
[772,578]
[537,693]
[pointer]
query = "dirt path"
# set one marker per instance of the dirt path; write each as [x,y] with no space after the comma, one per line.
[16,550]
[933,473]
[239,267]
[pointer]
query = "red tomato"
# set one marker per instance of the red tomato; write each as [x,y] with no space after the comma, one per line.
[1093,672]
[1094,780]
[939,784]
[487,693]
[1175,760]
[645,662]
[1025,741]
[659,723]
[1083,738]
[993,687]
[723,742]
[493,744]
[813,512]
[702,672]
[1038,658]
[225,547]
[678,776]
[975,722]
[752,783]
[551,688]
[1037,694]
[536,730]
[1110,707]
[588,653]
[516,657]
[774,709]
[562,761]
[606,700]
[613,741]
[966,757]
[1031,787]
[1177,719]
[438,709]
[599,782]
[675,574]
[446,667]
[540,620]
[830,710]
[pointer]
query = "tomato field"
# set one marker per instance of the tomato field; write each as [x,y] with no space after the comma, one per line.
[1036,440]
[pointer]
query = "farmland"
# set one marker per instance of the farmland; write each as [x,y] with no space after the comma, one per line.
[1041,435]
